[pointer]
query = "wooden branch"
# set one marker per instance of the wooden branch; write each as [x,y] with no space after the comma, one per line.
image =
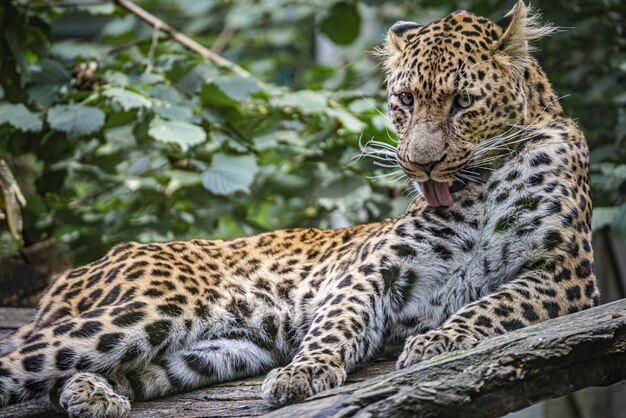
[182,39]
[498,376]
[13,201]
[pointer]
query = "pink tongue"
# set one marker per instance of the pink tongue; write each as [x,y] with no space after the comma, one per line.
[436,194]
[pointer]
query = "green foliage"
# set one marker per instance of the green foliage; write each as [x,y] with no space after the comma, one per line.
[19,117]
[158,144]
[75,119]
[167,146]
[228,174]
[179,132]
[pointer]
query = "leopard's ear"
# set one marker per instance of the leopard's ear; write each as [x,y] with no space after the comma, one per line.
[397,38]
[398,34]
[520,27]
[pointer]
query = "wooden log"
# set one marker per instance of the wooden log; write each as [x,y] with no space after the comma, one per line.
[232,399]
[499,375]
[13,318]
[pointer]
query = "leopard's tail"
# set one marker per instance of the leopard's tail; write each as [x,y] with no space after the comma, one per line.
[31,367]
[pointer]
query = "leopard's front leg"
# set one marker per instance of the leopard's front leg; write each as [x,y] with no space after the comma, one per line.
[346,328]
[529,299]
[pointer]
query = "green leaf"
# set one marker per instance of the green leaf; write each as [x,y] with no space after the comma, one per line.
[347,119]
[228,91]
[198,76]
[18,116]
[342,24]
[220,138]
[166,93]
[174,112]
[345,193]
[184,134]
[48,78]
[237,87]
[76,120]
[116,78]
[228,174]
[306,101]
[213,96]
[127,99]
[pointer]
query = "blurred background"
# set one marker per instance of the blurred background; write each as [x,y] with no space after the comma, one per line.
[110,131]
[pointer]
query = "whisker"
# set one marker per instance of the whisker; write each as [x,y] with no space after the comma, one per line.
[412,193]
[381,144]
[393,176]
[379,164]
[482,156]
[550,103]
[479,167]
[375,108]
[464,178]
[501,141]
[392,139]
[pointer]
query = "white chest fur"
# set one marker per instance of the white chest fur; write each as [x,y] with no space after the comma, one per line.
[501,234]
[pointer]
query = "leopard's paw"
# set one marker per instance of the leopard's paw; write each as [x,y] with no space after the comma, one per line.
[90,395]
[425,346]
[299,380]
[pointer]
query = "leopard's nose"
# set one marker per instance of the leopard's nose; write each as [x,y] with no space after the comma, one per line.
[426,168]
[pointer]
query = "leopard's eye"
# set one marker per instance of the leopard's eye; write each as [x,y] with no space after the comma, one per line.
[406,98]
[464,101]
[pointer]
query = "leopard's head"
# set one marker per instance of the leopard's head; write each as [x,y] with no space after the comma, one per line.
[455,86]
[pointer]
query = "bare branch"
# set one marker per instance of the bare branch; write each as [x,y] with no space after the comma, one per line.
[11,200]
[182,39]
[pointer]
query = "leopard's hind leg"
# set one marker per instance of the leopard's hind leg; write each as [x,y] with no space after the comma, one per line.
[201,364]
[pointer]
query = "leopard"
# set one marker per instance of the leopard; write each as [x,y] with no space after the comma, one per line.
[497,239]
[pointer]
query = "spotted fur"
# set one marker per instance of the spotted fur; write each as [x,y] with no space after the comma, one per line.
[511,250]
